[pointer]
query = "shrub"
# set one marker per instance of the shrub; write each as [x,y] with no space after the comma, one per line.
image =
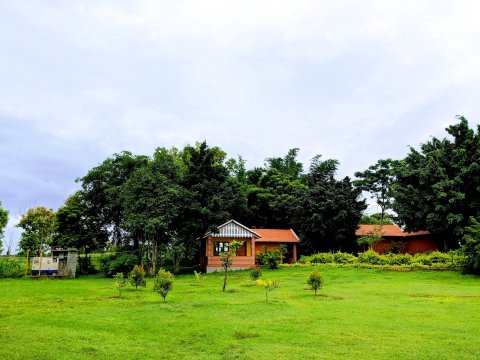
[262,258]
[256,273]
[85,266]
[163,283]
[10,267]
[315,281]
[120,283]
[471,249]
[320,258]
[344,258]
[198,276]
[371,257]
[267,285]
[113,264]
[398,259]
[271,258]
[137,276]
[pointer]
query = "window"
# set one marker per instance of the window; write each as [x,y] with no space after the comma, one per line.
[219,247]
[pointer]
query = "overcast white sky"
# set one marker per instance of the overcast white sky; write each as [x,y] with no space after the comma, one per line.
[352,80]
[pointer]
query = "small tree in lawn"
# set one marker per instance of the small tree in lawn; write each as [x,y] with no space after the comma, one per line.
[267,285]
[226,258]
[163,283]
[256,273]
[315,281]
[137,276]
[120,283]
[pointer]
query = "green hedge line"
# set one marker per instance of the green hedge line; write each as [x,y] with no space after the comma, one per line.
[11,267]
[434,259]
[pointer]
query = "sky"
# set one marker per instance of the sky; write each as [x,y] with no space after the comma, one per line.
[352,80]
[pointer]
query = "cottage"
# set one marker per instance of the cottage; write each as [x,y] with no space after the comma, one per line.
[254,241]
[393,235]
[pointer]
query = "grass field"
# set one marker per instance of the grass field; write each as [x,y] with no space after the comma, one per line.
[359,314]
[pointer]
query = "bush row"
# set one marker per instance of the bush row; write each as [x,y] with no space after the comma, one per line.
[11,267]
[434,259]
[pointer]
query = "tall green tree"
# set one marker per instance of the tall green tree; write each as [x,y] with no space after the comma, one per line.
[3,224]
[272,191]
[38,226]
[77,227]
[438,187]
[328,212]
[153,200]
[378,180]
[102,194]
[213,197]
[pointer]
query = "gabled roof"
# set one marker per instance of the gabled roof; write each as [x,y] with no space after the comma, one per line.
[277,235]
[233,228]
[387,230]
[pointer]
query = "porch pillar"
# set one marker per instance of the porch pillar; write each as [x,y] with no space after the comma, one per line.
[295,252]
[253,249]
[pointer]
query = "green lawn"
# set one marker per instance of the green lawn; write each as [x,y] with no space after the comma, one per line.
[359,314]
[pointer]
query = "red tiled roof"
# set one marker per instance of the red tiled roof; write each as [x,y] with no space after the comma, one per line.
[274,235]
[387,230]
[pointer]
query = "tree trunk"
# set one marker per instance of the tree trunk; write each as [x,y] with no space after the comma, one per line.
[176,265]
[224,280]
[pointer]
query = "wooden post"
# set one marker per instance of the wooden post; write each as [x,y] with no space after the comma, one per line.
[295,252]
[253,249]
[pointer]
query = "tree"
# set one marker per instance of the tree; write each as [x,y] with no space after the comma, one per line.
[163,283]
[38,226]
[315,281]
[137,277]
[211,197]
[268,286]
[271,191]
[120,283]
[153,200]
[378,180]
[226,258]
[3,224]
[376,219]
[328,212]
[77,227]
[471,248]
[102,194]
[437,188]
[287,165]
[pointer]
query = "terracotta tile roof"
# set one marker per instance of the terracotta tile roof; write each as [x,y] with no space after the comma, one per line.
[275,235]
[388,230]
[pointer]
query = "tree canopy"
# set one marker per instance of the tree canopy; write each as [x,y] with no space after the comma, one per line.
[437,188]
[38,226]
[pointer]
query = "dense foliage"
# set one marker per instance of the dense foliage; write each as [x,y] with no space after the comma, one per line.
[160,207]
[471,249]
[434,259]
[38,226]
[378,180]
[315,281]
[437,188]
[163,283]
[327,213]
[3,224]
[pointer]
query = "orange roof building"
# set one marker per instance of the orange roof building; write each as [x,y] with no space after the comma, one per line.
[410,242]
[255,241]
